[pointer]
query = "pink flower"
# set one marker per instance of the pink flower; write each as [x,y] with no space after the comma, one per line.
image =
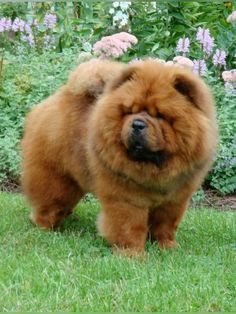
[231,17]
[230,81]
[183,61]
[126,37]
[114,45]
[229,76]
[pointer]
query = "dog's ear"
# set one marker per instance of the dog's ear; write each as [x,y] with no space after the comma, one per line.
[125,75]
[193,88]
[186,86]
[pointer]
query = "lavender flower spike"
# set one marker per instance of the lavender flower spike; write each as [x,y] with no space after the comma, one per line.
[199,67]
[29,39]
[8,24]
[183,45]
[207,42]
[2,24]
[208,45]
[202,34]
[18,25]
[50,20]
[219,57]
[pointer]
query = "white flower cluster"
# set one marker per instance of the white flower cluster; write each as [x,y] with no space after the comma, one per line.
[154,4]
[118,11]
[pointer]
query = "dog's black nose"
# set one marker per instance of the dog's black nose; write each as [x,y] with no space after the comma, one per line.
[138,125]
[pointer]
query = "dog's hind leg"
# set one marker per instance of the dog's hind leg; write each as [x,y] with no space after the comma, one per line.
[52,196]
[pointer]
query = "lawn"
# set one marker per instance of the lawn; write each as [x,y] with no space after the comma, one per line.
[73,269]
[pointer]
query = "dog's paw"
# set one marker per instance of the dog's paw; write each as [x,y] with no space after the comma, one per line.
[167,244]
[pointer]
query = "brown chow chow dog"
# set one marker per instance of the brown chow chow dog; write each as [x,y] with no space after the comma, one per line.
[141,137]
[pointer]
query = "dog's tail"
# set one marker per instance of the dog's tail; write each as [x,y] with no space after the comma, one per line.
[90,78]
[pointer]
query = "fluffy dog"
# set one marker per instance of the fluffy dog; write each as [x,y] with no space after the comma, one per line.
[141,137]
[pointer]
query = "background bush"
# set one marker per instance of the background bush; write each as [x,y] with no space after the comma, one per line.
[28,74]
[25,81]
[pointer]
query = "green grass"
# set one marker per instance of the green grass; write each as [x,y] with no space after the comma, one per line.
[73,269]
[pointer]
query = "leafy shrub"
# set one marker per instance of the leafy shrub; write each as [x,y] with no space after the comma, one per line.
[13,10]
[25,81]
[223,175]
[157,25]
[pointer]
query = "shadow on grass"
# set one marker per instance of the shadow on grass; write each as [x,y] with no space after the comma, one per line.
[77,223]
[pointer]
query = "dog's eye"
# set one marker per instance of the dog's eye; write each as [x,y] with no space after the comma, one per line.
[160,115]
[126,110]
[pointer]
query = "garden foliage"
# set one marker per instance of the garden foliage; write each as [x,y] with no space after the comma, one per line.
[41,42]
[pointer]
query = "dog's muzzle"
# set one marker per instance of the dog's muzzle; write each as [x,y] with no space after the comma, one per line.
[137,144]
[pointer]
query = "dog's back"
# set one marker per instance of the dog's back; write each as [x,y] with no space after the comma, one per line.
[54,163]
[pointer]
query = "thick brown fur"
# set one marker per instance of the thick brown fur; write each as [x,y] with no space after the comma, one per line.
[82,139]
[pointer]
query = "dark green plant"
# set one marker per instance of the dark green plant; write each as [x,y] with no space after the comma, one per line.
[223,175]
[158,29]
[25,82]
[13,10]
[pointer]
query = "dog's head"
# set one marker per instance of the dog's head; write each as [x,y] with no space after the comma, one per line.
[154,117]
